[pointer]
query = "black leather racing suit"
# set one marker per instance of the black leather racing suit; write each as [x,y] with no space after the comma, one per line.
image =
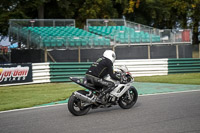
[98,70]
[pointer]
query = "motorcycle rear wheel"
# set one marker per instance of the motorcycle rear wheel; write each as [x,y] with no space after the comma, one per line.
[75,105]
[125,102]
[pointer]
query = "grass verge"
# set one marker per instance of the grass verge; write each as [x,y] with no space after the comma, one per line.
[189,78]
[15,97]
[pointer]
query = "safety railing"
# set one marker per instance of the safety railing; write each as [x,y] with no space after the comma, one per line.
[42,22]
[184,65]
[105,22]
[142,34]
[61,71]
[151,37]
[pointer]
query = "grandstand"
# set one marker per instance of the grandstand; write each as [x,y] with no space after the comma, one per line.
[124,35]
[49,35]
[125,32]
[54,36]
[62,33]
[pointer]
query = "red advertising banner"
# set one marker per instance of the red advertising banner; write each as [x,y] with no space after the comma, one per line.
[15,73]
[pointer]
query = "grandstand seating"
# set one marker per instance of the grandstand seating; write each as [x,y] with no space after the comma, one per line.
[61,37]
[68,36]
[124,34]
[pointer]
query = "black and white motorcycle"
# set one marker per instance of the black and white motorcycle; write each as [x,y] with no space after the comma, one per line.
[124,94]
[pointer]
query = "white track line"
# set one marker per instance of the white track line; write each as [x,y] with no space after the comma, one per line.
[46,106]
[168,93]
[32,108]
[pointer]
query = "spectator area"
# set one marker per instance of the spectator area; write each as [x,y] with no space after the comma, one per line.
[124,34]
[62,34]
[69,36]
[61,37]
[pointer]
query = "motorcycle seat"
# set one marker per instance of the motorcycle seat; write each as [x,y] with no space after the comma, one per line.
[82,82]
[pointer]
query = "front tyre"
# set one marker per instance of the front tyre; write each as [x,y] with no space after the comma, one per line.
[129,98]
[76,106]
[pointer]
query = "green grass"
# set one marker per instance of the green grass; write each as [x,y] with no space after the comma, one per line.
[190,78]
[15,97]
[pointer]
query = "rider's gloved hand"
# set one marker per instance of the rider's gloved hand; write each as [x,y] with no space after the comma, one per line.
[123,79]
[118,74]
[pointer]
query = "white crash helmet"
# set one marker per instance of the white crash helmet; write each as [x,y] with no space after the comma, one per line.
[110,55]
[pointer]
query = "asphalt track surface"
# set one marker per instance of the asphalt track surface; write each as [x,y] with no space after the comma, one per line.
[162,113]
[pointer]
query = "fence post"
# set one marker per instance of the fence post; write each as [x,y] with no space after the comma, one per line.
[149,52]
[45,54]
[199,50]
[79,54]
[113,48]
[177,53]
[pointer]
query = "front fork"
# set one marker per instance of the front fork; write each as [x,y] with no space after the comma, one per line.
[128,94]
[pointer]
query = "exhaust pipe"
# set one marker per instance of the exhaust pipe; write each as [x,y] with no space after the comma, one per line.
[84,98]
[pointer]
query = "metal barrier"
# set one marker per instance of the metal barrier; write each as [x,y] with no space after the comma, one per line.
[183,65]
[41,72]
[42,22]
[60,72]
[145,67]
[105,22]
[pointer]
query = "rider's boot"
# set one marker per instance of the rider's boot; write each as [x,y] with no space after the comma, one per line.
[99,98]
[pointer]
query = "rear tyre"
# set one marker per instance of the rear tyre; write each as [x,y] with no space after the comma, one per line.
[76,106]
[129,98]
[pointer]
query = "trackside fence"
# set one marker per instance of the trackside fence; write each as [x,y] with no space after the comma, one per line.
[61,71]
[41,72]
[145,67]
[183,65]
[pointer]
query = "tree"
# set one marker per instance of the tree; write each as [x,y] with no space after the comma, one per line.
[92,9]
[16,9]
[188,12]
[195,20]
[166,14]
[169,14]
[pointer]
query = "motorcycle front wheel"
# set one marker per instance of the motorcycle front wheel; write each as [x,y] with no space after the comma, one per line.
[76,106]
[129,98]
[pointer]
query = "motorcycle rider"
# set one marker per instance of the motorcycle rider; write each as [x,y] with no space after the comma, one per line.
[99,69]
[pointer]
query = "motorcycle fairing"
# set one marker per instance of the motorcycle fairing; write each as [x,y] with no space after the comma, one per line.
[120,89]
[82,82]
